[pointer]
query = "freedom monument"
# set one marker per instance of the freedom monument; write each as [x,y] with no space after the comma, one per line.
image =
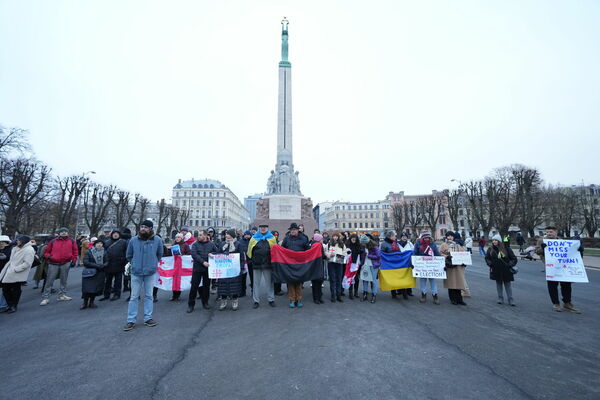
[284,202]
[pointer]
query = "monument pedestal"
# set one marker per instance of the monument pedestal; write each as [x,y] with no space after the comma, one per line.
[280,210]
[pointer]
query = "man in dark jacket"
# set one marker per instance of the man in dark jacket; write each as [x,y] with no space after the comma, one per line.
[243,244]
[126,236]
[115,249]
[62,254]
[295,241]
[200,251]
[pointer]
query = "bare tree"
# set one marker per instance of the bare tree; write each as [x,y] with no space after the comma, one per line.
[562,209]
[589,210]
[475,192]
[22,184]
[454,203]
[399,216]
[431,206]
[96,200]
[163,215]
[13,140]
[502,196]
[532,198]
[139,210]
[69,192]
[413,216]
[121,206]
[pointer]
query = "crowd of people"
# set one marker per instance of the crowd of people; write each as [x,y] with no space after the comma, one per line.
[116,262]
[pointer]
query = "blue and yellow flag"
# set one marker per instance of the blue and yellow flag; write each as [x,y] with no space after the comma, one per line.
[395,271]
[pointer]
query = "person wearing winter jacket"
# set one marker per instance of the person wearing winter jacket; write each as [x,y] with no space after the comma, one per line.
[501,259]
[93,276]
[373,262]
[336,255]
[259,256]
[426,247]
[188,237]
[179,248]
[200,253]
[391,245]
[295,241]
[455,274]
[115,251]
[469,244]
[357,254]
[62,254]
[15,272]
[229,288]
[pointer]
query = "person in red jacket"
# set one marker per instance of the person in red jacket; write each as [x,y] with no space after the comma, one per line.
[61,254]
[188,238]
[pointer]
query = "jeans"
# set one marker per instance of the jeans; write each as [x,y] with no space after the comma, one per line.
[53,271]
[482,251]
[136,286]
[336,272]
[3,303]
[507,287]
[262,279]
[432,283]
[374,284]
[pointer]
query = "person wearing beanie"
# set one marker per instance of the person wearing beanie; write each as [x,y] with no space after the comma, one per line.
[115,249]
[425,246]
[62,254]
[143,253]
[317,284]
[455,274]
[501,260]
[93,276]
[390,245]
[356,251]
[229,288]
[15,272]
[244,242]
[259,256]
[373,262]
[336,261]
[188,237]
[295,241]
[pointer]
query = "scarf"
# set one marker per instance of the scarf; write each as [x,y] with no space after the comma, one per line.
[259,236]
[425,249]
[98,255]
[229,246]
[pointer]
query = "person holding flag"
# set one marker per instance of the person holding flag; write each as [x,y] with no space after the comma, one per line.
[188,238]
[200,251]
[259,253]
[295,242]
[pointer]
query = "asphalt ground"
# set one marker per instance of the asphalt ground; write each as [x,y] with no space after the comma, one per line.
[393,349]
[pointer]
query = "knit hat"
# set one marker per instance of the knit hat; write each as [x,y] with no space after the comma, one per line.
[497,237]
[390,233]
[293,225]
[93,239]
[425,235]
[404,234]
[4,238]
[254,228]
[450,233]
[185,228]
[23,239]
[63,229]
[148,223]
[363,239]
[317,237]
[247,232]
[231,233]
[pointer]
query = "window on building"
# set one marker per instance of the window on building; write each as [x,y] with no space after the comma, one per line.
[210,194]
[216,213]
[360,224]
[336,225]
[203,222]
[337,216]
[460,211]
[184,194]
[176,203]
[210,203]
[462,223]
[355,225]
[372,225]
[209,214]
[385,225]
[360,207]
[183,202]
[203,194]
[371,207]
[176,194]
[343,225]
[217,203]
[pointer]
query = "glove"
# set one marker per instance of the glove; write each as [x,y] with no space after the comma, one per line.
[543,245]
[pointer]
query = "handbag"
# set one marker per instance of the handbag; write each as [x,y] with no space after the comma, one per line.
[514,270]
[88,272]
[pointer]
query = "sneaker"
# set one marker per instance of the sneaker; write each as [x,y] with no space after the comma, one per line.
[150,322]
[222,304]
[436,299]
[115,297]
[235,303]
[64,297]
[129,326]
[569,307]
[44,302]
[11,310]
[272,303]
[556,307]
[299,304]
[292,304]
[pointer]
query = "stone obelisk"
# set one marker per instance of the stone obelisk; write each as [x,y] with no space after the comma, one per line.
[284,202]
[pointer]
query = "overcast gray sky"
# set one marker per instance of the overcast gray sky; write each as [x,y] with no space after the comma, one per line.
[387,95]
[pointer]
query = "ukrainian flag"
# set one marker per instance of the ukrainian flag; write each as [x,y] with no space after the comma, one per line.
[395,271]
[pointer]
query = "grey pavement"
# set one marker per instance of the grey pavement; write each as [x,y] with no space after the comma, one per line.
[388,350]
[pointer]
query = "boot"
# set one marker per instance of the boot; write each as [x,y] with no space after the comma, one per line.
[333,299]
[91,303]
[339,298]
[235,303]
[436,299]
[84,305]
[364,296]
[570,307]
[423,298]
[393,294]
[222,304]
[405,294]
[350,295]
[373,297]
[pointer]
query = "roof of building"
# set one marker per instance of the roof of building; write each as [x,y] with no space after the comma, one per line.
[200,184]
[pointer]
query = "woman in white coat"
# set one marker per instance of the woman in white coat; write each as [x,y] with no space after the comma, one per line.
[16,270]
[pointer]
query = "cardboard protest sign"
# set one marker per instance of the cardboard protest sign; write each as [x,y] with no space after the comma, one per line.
[461,257]
[563,261]
[221,266]
[428,267]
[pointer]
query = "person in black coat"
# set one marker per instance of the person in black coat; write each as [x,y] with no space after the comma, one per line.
[126,236]
[116,247]
[295,241]
[501,259]
[229,288]
[200,251]
[244,242]
[92,276]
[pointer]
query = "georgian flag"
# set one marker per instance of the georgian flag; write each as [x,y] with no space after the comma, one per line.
[174,273]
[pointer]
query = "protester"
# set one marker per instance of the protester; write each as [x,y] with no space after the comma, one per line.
[126,236]
[179,248]
[259,255]
[482,246]
[405,245]
[244,242]
[41,271]
[62,254]
[390,245]
[213,238]
[83,248]
[229,288]
[356,252]
[143,252]
[200,253]
[188,237]
[5,250]
[372,262]
[15,272]
[317,284]
[105,237]
[501,260]
[565,287]
[93,275]
[295,241]
[336,255]
[115,252]
[455,274]
[426,247]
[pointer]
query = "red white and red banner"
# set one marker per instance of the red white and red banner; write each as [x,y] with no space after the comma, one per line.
[174,273]
[350,273]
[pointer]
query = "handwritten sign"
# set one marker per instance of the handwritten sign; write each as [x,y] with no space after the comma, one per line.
[221,266]
[563,261]
[461,257]
[428,267]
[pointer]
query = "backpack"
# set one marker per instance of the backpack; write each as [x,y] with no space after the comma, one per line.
[261,253]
